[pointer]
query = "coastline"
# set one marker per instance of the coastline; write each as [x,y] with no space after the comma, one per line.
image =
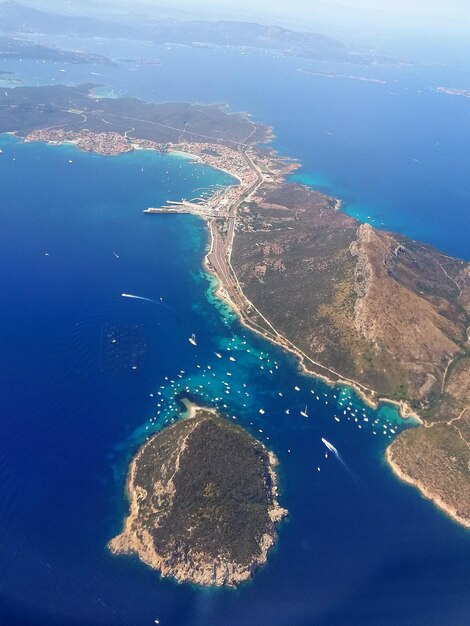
[369,396]
[417,484]
[195,567]
[197,159]
[224,275]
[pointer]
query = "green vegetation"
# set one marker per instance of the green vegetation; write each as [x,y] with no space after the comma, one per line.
[222,492]
[400,393]
[24,109]
[377,308]
[215,490]
[438,458]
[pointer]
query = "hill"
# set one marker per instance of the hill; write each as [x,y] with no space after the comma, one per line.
[203,502]
[25,109]
[377,310]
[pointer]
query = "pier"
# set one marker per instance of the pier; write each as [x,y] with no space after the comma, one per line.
[187,207]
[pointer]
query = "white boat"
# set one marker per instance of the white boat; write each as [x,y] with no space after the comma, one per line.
[262,411]
[304,413]
[192,340]
[219,356]
[329,445]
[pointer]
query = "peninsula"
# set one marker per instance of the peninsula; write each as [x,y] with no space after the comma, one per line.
[203,502]
[371,309]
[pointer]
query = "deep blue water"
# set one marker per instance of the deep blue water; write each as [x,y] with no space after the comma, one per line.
[395,153]
[359,547]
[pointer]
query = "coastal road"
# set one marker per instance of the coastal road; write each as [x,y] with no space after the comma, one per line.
[220,253]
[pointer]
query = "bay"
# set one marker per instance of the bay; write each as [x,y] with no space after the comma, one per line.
[359,547]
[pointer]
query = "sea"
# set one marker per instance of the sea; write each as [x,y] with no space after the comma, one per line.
[359,547]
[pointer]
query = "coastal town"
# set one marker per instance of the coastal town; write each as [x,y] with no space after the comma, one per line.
[252,167]
[110,144]
[217,154]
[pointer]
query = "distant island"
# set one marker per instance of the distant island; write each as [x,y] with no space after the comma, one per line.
[143,62]
[359,306]
[365,79]
[12,49]
[203,502]
[18,18]
[451,91]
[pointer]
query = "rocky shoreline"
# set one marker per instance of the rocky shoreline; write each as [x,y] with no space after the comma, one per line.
[191,556]
[427,471]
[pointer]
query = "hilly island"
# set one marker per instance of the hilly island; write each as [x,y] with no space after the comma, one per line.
[371,309]
[203,502]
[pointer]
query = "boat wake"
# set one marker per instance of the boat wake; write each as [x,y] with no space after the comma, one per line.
[332,449]
[177,317]
[131,295]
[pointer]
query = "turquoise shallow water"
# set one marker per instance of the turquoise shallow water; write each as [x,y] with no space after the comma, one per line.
[395,153]
[358,547]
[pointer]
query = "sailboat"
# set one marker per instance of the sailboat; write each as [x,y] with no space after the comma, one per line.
[192,340]
[304,413]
